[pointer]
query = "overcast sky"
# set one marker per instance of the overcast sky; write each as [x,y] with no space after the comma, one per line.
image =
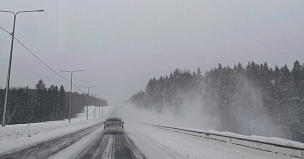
[122,44]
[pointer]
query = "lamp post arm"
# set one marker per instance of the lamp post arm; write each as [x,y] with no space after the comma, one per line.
[6,11]
[78,71]
[28,11]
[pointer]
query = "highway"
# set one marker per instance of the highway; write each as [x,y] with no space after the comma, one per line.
[136,141]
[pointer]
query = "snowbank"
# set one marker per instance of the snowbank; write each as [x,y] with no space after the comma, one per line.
[271,140]
[269,144]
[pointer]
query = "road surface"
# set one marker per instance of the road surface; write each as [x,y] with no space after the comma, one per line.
[136,141]
[112,145]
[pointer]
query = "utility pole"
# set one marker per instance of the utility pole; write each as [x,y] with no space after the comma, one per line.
[70,110]
[10,59]
[83,98]
[95,108]
[99,107]
[88,99]
[95,103]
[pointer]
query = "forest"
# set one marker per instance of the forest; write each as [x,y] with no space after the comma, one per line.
[252,100]
[26,105]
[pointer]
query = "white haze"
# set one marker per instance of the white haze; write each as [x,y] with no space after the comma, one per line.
[189,118]
[261,123]
[195,113]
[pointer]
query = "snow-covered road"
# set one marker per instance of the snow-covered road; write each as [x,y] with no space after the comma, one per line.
[138,141]
[49,147]
[157,143]
[111,145]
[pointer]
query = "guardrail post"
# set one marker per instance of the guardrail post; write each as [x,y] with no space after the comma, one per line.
[302,154]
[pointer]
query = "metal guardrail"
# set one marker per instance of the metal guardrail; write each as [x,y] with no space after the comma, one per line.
[292,151]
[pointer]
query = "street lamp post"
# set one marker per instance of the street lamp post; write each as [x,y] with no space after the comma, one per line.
[88,99]
[71,90]
[99,107]
[10,59]
[95,103]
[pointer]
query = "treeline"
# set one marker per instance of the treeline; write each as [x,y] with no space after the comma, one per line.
[26,105]
[250,100]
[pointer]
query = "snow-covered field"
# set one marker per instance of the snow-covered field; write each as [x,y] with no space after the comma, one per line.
[12,136]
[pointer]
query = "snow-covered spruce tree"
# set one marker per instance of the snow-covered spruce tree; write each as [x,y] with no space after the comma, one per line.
[62,105]
[40,99]
[251,100]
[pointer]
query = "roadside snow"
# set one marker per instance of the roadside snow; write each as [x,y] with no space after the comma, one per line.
[167,119]
[17,136]
[164,144]
[272,140]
